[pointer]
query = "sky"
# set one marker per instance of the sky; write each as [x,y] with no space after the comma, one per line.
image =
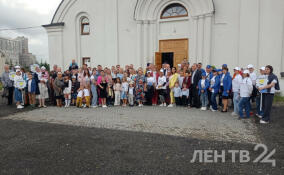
[27,13]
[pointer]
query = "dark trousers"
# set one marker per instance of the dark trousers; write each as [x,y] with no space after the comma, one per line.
[177,99]
[10,95]
[184,100]
[194,100]
[209,93]
[267,106]
[213,101]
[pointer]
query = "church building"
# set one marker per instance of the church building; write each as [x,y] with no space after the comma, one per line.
[110,32]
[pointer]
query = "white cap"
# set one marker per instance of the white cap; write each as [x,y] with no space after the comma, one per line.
[18,70]
[250,66]
[237,68]
[162,70]
[148,72]
[43,68]
[17,67]
[246,72]
[262,68]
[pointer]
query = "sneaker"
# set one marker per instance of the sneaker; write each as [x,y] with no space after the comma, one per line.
[94,106]
[20,107]
[234,114]
[165,104]
[171,105]
[263,122]
[214,110]
[104,106]
[259,116]
[161,105]
[203,108]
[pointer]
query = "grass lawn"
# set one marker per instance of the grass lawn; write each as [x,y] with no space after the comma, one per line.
[278,98]
[1,87]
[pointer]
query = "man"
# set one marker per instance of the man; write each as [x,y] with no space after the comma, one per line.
[73,65]
[7,84]
[194,100]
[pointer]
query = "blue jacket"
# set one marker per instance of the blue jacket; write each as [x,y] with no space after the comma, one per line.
[207,85]
[216,85]
[227,84]
[210,76]
[33,86]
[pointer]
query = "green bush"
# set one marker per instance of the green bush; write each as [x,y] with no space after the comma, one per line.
[278,98]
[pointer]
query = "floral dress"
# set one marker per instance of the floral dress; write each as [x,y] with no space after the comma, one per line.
[140,92]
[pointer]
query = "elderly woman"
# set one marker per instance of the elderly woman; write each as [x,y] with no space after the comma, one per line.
[58,89]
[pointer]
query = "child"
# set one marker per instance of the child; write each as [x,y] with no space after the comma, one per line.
[140,92]
[117,90]
[110,94]
[203,86]
[161,88]
[31,89]
[67,91]
[184,95]
[80,96]
[94,90]
[87,95]
[131,94]
[124,91]
[43,78]
[103,91]
[18,89]
[74,90]
[177,93]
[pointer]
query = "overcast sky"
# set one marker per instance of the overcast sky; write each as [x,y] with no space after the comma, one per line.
[26,13]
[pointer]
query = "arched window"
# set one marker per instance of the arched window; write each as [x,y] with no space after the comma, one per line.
[174,11]
[85,26]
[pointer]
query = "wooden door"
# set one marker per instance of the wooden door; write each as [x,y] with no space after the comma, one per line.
[158,60]
[178,46]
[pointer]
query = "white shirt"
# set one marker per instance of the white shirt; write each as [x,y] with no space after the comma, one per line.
[222,79]
[212,83]
[131,91]
[177,91]
[246,87]
[151,81]
[180,80]
[86,93]
[202,83]
[236,83]
[80,94]
[253,77]
[192,78]
[161,81]
[124,86]
[185,92]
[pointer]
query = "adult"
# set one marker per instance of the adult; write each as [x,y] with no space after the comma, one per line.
[260,82]
[73,65]
[194,100]
[253,77]
[7,84]
[209,75]
[43,80]
[226,86]
[58,89]
[236,83]
[214,88]
[271,87]
[173,79]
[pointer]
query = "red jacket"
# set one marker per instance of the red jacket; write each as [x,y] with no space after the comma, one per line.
[187,81]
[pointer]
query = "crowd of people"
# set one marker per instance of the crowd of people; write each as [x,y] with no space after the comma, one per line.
[185,86]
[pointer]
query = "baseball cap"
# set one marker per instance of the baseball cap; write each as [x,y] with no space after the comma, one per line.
[250,66]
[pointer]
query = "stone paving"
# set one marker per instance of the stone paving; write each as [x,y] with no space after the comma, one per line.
[177,121]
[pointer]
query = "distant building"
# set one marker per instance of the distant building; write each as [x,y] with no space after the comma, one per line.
[16,51]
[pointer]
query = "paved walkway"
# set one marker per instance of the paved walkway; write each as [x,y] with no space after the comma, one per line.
[168,121]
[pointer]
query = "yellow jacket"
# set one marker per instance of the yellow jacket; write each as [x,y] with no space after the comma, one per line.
[173,80]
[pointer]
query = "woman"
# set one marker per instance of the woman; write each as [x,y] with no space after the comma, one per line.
[271,87]
[226,85]
[245,94]
[173,79]
[149,90]
[94,89]
[43,78]
[237,80]
[58,89]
